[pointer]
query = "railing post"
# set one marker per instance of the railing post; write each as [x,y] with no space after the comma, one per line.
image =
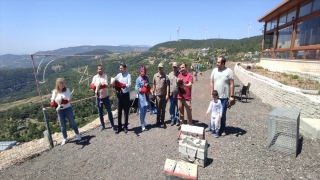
[48,127]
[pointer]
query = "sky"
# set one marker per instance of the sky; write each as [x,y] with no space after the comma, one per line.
[28,26]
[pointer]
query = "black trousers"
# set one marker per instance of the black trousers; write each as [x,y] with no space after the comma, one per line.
[123,102]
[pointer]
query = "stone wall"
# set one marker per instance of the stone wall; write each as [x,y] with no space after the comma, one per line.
[277,94]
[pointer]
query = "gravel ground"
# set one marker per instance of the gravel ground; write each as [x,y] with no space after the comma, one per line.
[141,155]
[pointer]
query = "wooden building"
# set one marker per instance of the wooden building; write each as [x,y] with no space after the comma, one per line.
[292,36]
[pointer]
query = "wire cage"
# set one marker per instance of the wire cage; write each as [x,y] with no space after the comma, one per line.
[283,130]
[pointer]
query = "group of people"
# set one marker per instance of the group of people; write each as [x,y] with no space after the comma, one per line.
[175,87]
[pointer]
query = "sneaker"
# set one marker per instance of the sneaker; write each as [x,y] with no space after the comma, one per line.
[178,123]
[223,134]
[142,127]
[125,130]
[172,123]
[79,137]
[64,141]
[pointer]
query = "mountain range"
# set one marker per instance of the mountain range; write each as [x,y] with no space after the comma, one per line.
[11,61]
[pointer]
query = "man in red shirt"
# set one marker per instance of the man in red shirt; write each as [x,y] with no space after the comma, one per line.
[184,94]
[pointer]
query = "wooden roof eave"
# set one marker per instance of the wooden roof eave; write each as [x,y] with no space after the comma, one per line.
[286,5]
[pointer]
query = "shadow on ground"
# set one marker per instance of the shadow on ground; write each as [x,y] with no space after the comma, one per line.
[235,131]
[299,145]
[85,140]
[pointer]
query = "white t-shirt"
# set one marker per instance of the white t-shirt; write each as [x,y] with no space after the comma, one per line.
[221,81]
[215,107]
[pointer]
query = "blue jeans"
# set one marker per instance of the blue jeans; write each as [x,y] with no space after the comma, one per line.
[67,113]
[224,114]
[143,112]
[106,103]
[174,112]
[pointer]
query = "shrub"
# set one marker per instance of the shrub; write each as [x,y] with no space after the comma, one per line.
[294,77]
[285,75]
[259,67]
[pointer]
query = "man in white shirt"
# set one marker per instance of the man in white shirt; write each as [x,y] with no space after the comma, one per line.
[101,81]
[222,80]
[123,86]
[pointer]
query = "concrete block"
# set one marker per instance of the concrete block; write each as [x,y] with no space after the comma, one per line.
[310,127]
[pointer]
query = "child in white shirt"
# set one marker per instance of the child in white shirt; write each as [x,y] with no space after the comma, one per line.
[215,107]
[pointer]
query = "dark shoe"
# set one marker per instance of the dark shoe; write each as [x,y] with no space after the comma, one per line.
[114,129]
[163,125]
[125,130]
[178,123]
[172,123]
[103,128]
[118,131]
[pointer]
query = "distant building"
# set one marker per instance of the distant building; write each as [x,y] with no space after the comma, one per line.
[204,51]
[4,145]
[291,35]
[248,55]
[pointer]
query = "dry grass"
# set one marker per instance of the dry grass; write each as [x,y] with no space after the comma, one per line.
[22,102]
[287,79]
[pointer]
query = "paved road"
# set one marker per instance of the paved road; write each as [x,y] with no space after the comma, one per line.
[141,155]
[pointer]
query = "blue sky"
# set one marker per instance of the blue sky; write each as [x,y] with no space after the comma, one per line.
[28,26]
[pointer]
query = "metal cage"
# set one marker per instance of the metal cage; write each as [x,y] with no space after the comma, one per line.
[283,130]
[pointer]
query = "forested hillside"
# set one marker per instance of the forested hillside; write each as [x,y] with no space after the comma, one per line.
[23,120]
[231,46]
[10,61]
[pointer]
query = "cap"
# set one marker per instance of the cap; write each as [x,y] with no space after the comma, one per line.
[174,64]
[160,65]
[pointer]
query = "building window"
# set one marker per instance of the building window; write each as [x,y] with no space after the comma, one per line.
[298,54]
[284,39]
[274,24]
[313,54]
[305,9]
[316,5]
[267,55]
[291,15]
[286,55]
[268,42]
[283,19]
[308,32]
[278,55]
[268,26]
